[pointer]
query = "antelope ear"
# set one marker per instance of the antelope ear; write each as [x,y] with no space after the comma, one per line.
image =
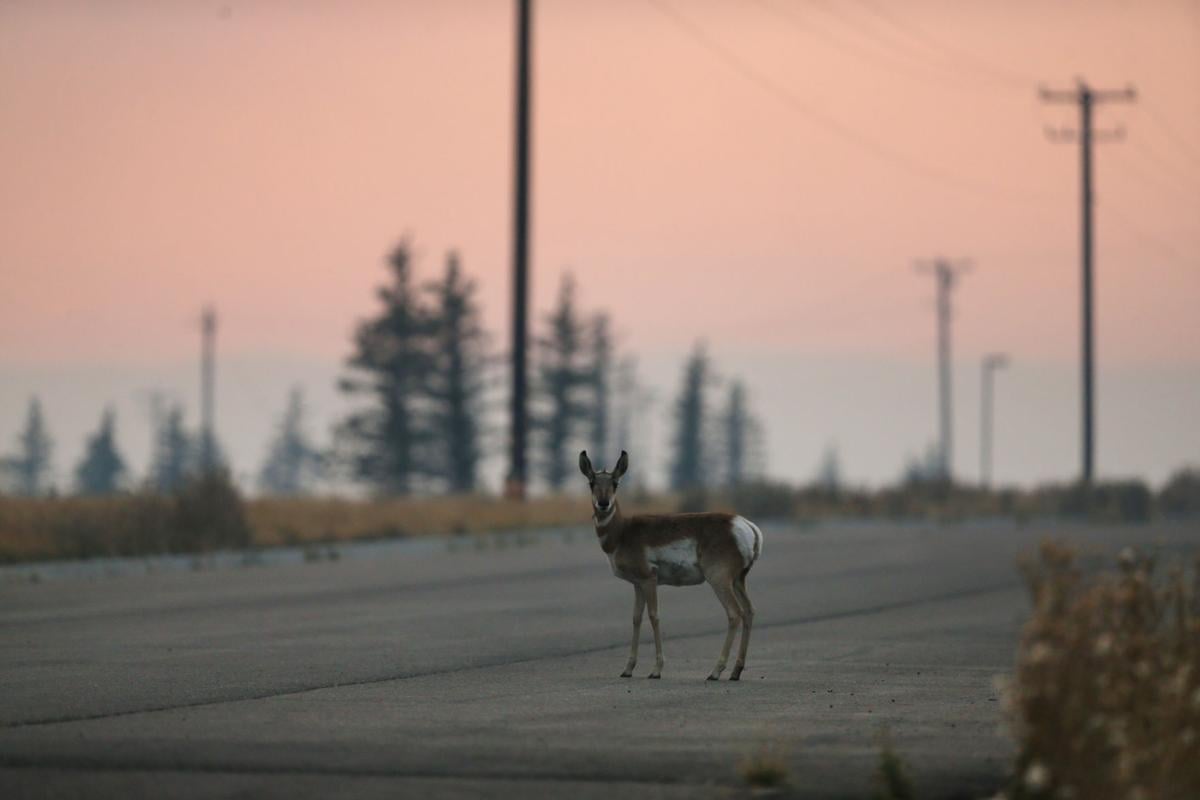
[622,465]
[585,465]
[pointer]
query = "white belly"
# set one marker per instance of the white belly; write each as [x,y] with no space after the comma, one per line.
[677,564]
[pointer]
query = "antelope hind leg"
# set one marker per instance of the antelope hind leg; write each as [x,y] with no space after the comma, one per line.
[725,593]
[747,609]
[639,605]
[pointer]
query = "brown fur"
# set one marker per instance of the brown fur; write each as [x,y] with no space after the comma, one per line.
[719,561]
[626,539]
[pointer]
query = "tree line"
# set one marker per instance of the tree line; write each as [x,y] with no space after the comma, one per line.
[422,381]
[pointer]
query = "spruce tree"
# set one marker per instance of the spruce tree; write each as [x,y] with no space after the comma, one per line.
[176,455]
[600,373]
[292,463]
[102,469]
[687,463]
[31,467]
[740,437]
[387,441]
[563,374]
[457,379]
[735,424]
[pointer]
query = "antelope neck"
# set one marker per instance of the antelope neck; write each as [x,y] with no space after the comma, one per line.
[606,521]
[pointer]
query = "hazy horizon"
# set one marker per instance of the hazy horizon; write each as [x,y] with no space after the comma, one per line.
[758,176]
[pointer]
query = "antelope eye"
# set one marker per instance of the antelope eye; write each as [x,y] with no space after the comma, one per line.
[592,484]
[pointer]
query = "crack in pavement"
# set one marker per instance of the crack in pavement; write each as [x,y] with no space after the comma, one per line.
[504,662]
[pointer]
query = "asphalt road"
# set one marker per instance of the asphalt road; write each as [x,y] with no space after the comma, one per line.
[494,672]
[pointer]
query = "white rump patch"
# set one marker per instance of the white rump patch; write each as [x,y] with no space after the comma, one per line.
[677,563]
[748,538]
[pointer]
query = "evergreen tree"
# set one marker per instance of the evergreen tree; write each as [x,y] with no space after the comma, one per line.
[924,469]
[601,369]
[735,423]
[562,373]
[829,473]
[741,438]
[632,403]
[292,462]
[387,442]
[456,384]
[176,456]
[687,464]
[31,468]
[102,469]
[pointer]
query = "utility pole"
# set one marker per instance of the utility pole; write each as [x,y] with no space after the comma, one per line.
[1087,98]
[945,274]
[518,468]
[991,363]
[208,367]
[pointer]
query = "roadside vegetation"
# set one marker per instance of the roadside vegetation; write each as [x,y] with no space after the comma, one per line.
[939,501]
[207,513]
[1105,701]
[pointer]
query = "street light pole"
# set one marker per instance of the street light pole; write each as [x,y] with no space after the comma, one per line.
[991,363]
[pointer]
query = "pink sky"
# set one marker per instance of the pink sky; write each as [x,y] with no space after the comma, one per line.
[157,156]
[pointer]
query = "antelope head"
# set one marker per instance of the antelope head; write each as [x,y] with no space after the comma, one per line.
[603,484]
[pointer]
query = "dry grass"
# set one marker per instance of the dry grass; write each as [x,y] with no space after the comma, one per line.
[1106,696]
[205,517]
[297,520]
[891,779]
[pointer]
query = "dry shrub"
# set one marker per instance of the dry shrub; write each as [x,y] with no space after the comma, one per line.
[891,779]
[1106,696]
[1181,495]
[764,769]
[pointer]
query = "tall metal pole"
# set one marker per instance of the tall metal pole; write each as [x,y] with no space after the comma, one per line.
[991,362]
[1087,97]
[518,470]
[208,377]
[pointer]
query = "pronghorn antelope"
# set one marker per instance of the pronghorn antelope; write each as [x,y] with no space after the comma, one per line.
[676,550]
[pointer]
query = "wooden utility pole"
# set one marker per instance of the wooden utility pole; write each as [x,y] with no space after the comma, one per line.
[1087,98]
[518,473]
[946,273]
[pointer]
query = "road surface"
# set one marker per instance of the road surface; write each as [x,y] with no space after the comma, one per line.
[493,671]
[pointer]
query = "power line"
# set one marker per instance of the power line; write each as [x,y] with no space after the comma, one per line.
[1004,75]
[1147,238]
[840,130]
[1167,177]
[1182,143]
[853,47]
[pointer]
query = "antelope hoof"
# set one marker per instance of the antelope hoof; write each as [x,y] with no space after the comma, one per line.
[713,678]
[654,676]
[736,675]
[626,674]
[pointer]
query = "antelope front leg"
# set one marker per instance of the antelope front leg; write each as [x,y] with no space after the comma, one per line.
[639,605]
[650,591]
